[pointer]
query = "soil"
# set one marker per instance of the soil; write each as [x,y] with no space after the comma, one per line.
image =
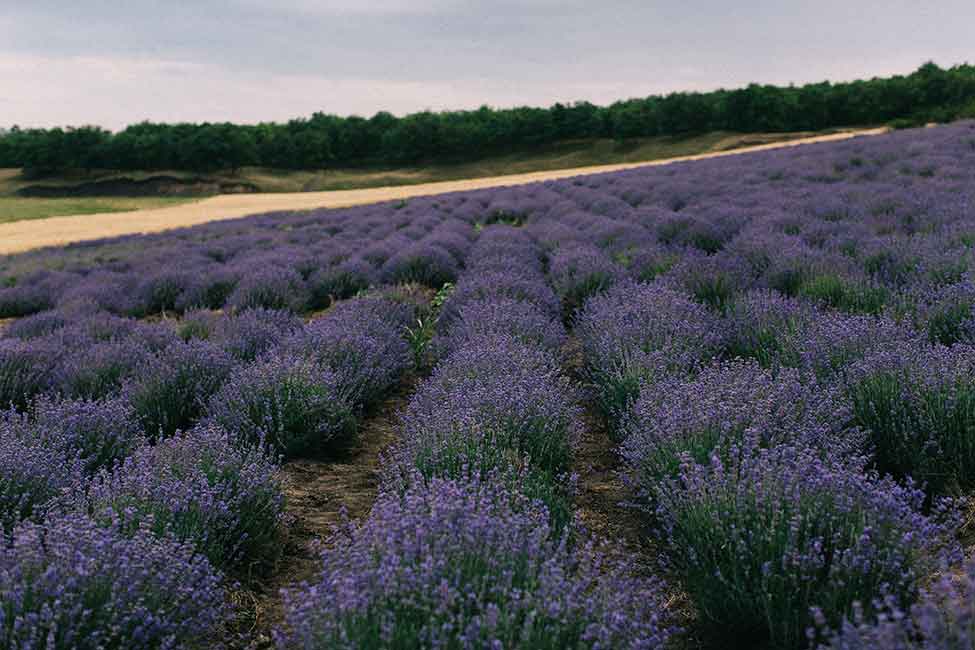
[21,236]
[320,494]
[604,505]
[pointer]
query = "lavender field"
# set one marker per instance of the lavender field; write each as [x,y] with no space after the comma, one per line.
[723,403]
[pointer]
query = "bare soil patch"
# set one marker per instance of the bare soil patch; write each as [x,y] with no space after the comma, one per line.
[320,494]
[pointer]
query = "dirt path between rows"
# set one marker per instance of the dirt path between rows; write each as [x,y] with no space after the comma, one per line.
[319,495]
[21,236]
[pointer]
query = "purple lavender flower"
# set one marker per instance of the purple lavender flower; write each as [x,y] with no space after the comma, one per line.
[270,287]
[34,473]
[173,386]
[454,564]
[943,619]
[917,402]
[578,272]
[202,487]
[760,541]
[362,341]
[482,319]
[635,332]
[26,369]
[726,408]
[248,334]
[290,404]
[72,583]
[100,432]
[422,262]
[491,403]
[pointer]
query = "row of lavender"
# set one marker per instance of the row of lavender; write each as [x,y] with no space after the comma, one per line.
[471,542]
[139,464]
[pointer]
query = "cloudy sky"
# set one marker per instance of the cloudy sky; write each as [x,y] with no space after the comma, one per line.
[122,61]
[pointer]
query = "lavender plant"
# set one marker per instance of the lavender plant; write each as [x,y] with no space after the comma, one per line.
[636,332]
[172,388]
[730,408]
[759,542]
[918,404]
[468,564]
[71,583]
[291,405]
[943,619]
[200,487]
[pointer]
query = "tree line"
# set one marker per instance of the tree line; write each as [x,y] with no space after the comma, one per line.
[323,140]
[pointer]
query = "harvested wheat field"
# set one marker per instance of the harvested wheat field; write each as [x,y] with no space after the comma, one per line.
[26,235]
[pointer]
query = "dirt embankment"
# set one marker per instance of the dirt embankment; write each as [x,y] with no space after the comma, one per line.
[153,186]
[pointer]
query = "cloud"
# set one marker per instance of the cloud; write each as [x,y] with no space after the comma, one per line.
[114,62]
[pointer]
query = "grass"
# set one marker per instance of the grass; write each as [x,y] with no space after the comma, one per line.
[562,155]
[14,208]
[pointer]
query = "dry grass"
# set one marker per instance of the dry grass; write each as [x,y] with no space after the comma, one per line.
[23,209]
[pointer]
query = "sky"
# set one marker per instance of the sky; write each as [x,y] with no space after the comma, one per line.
[113,63]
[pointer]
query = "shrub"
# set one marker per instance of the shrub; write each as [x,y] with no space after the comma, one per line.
[501,397]
[34,474]
[947,315]
[24,300]
[942,620]
[290,404]
[424,263]
[730,407]
[99,369]
[760,542]
[200,487]
[635,332]
[339,282]
[918,404]
[521,321]
[168,290]
[469,564]
[172,387]
[250,333]
[846,295]
[363,342]
[26,369]
[36,325]
[99,432]
[270,287]
[527,286]
[71,583]
[579,272]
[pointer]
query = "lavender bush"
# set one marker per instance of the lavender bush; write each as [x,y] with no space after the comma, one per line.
[468,564]
[363,342]
[943,619]
[201,487]
[635,332]
[72,583]
[730,407]
[522,321]
[35,473]
[759,542]
[918,404]
[101,433]
[291,405]
[172,388]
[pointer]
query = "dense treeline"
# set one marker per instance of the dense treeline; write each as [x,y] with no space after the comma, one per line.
[930,93]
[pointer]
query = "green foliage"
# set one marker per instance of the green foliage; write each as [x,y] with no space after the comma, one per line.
[929,94]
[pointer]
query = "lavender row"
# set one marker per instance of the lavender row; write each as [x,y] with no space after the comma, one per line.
[468,543]
[182,451]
